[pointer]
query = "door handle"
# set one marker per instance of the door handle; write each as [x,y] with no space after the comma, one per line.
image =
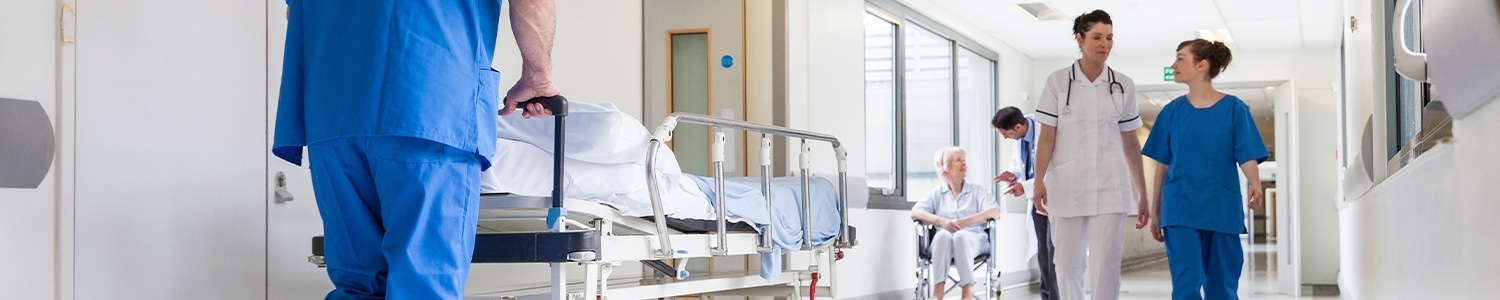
[282,195]
[1409,64]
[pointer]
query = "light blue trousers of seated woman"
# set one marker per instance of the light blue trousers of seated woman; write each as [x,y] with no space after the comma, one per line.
[963,245]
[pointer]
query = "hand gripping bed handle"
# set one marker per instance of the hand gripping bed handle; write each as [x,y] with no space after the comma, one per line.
[557,104]
[559,107]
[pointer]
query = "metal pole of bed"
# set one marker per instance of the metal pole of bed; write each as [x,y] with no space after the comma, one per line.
[557,214]
[843,158]
[559,283]
[663,133]
[765,189]
[805,163]
[718,158]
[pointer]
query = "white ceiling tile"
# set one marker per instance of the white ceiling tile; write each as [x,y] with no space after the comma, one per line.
[1253,10]
[1266,35]
[1321,33]
[1322,24]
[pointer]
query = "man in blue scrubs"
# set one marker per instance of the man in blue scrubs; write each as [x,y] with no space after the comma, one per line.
[396,103]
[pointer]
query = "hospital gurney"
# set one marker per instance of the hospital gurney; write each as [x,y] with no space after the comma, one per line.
[558,230]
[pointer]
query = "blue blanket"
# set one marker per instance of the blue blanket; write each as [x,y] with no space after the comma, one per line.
[743,199]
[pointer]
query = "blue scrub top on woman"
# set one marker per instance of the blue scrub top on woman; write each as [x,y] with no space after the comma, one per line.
[1203,148]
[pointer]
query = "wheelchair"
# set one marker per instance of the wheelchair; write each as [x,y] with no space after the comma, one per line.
[985,284]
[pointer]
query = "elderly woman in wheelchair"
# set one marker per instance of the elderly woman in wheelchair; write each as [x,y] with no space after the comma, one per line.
[958,214]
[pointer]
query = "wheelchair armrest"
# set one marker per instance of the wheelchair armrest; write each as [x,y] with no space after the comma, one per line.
[920,225]
[924,237]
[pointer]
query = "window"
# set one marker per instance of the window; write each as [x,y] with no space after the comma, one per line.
[1415,122]
[880,102]
[976,104]
[942,96]
[929,106]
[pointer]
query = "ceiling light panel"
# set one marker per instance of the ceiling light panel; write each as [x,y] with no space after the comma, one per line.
[1040,11]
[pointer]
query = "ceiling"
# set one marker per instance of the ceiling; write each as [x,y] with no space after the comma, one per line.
[1153,26]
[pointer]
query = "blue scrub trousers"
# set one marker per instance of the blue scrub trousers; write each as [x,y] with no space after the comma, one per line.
[1203,259]
[398,214]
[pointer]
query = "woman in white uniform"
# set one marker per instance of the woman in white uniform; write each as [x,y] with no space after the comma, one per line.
[959,209]
[1088,157]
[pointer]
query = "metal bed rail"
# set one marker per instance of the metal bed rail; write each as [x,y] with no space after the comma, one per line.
[663,134]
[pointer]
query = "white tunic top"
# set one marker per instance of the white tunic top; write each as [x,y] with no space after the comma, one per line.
[1088,175]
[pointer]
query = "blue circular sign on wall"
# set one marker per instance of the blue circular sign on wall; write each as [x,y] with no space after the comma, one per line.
[727,61]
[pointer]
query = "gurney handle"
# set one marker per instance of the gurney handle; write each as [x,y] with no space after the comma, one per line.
[557,104]
[559,107]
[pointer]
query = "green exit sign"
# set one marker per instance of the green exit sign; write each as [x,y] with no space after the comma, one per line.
[1166,74]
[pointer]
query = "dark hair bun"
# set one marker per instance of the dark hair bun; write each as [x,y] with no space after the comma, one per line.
[1083,22]
[1217,54]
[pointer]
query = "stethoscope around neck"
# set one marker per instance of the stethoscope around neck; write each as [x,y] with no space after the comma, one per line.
[1073,75]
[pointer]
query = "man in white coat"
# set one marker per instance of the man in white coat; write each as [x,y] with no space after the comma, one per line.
[1011,124]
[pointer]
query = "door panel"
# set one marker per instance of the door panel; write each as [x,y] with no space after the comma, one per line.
[690,93]
[170,141]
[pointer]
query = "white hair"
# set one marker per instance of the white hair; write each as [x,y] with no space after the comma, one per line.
[940,159]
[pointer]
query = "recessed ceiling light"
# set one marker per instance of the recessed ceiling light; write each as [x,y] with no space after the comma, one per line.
[1218,35]
[1040,11]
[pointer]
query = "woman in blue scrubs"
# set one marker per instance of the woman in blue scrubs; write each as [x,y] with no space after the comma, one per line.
[1198,141]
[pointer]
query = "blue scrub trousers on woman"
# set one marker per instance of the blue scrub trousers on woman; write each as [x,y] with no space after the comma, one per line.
[1203,259]
[413,197]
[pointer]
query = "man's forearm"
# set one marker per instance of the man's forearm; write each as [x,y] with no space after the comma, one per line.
[534,23]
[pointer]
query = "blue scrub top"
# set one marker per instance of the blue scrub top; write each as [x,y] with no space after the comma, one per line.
[1203,148]
[413,68]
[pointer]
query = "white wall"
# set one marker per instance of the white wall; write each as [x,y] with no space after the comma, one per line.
[596,53]
[1427,232]
[28,71]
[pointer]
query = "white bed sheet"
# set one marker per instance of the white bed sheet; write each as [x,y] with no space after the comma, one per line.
[606,162]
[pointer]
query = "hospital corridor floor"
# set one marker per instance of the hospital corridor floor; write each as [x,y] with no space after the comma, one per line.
[1154,281]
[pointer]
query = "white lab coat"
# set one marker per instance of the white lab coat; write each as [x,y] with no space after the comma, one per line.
[1088,181]
[1018,168]
[1087,175]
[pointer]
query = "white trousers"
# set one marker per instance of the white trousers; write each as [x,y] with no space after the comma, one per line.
[1096,240]
[960,248]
